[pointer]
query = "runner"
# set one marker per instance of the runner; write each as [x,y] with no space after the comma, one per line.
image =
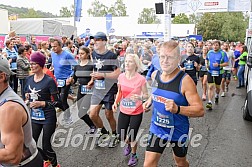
[82,75]
[226,77]
[105,76]
[132,89]
[62,62]
[191,64]
[174,98]
[203,72]
[40,89]
[215,61]
[17,147]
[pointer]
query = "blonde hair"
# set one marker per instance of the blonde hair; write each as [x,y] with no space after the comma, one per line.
[139,65]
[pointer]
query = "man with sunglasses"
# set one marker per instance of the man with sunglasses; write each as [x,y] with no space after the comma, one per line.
[105,76]
[17,147]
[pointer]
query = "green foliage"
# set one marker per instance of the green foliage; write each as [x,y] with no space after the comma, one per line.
[65,12]
[26,13]
[224,26]
[194,18]
[148,16]
[100,10]
[180,19]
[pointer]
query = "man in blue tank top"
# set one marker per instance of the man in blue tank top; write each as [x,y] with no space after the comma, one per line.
[174,99]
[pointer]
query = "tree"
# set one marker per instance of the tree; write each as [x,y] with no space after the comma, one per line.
[31,13]
[100,10]
[180,19]
[224,26]
[65,12]
[148,16]
[234,26]
[208,27]
[194,18]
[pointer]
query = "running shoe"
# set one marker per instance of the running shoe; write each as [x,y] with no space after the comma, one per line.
[91,131]
[209,105]
[102,139]
[223,94]
[133,160]
[127,150]
[113,141]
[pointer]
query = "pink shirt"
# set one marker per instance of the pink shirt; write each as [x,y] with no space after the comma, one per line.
[128,88]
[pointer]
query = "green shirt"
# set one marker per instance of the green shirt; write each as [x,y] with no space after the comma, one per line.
[243,58]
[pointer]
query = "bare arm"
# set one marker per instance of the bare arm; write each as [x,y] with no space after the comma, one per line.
[12,135]
[195,108]
[113,75]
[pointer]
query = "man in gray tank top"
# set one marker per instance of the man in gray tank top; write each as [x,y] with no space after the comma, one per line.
[17,147]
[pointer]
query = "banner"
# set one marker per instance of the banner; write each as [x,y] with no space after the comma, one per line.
[108,22]
[22,39]
[239,5]
[77,9]
[199,6]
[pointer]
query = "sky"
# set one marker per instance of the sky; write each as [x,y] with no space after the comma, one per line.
[134,7]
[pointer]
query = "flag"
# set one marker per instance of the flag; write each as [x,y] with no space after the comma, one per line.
[77,9]
[108,22]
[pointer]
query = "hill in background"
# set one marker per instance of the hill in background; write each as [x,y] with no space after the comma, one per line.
[26,12]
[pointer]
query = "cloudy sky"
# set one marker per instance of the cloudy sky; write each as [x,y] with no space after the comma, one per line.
[53,6]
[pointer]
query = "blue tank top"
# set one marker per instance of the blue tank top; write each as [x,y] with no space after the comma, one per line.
[164,124]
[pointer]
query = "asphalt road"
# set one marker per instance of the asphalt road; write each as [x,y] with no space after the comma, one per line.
[224,139]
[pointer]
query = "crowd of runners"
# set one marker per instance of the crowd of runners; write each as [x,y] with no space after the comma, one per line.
[111,77]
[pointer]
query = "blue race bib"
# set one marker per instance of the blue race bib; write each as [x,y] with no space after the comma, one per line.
[128,103]
[99,84]
[165,121]
[37,114]
[61,83]
[85,90]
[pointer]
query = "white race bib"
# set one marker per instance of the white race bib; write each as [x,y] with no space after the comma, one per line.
[215,73]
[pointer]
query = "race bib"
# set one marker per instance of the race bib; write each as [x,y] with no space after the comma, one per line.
[99,84]
[215,73]
[203,68]
[85,90]
[13,66]
[37,114]
[121,59]
[128,103]
[189,65]
[165,121]
[61,83]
